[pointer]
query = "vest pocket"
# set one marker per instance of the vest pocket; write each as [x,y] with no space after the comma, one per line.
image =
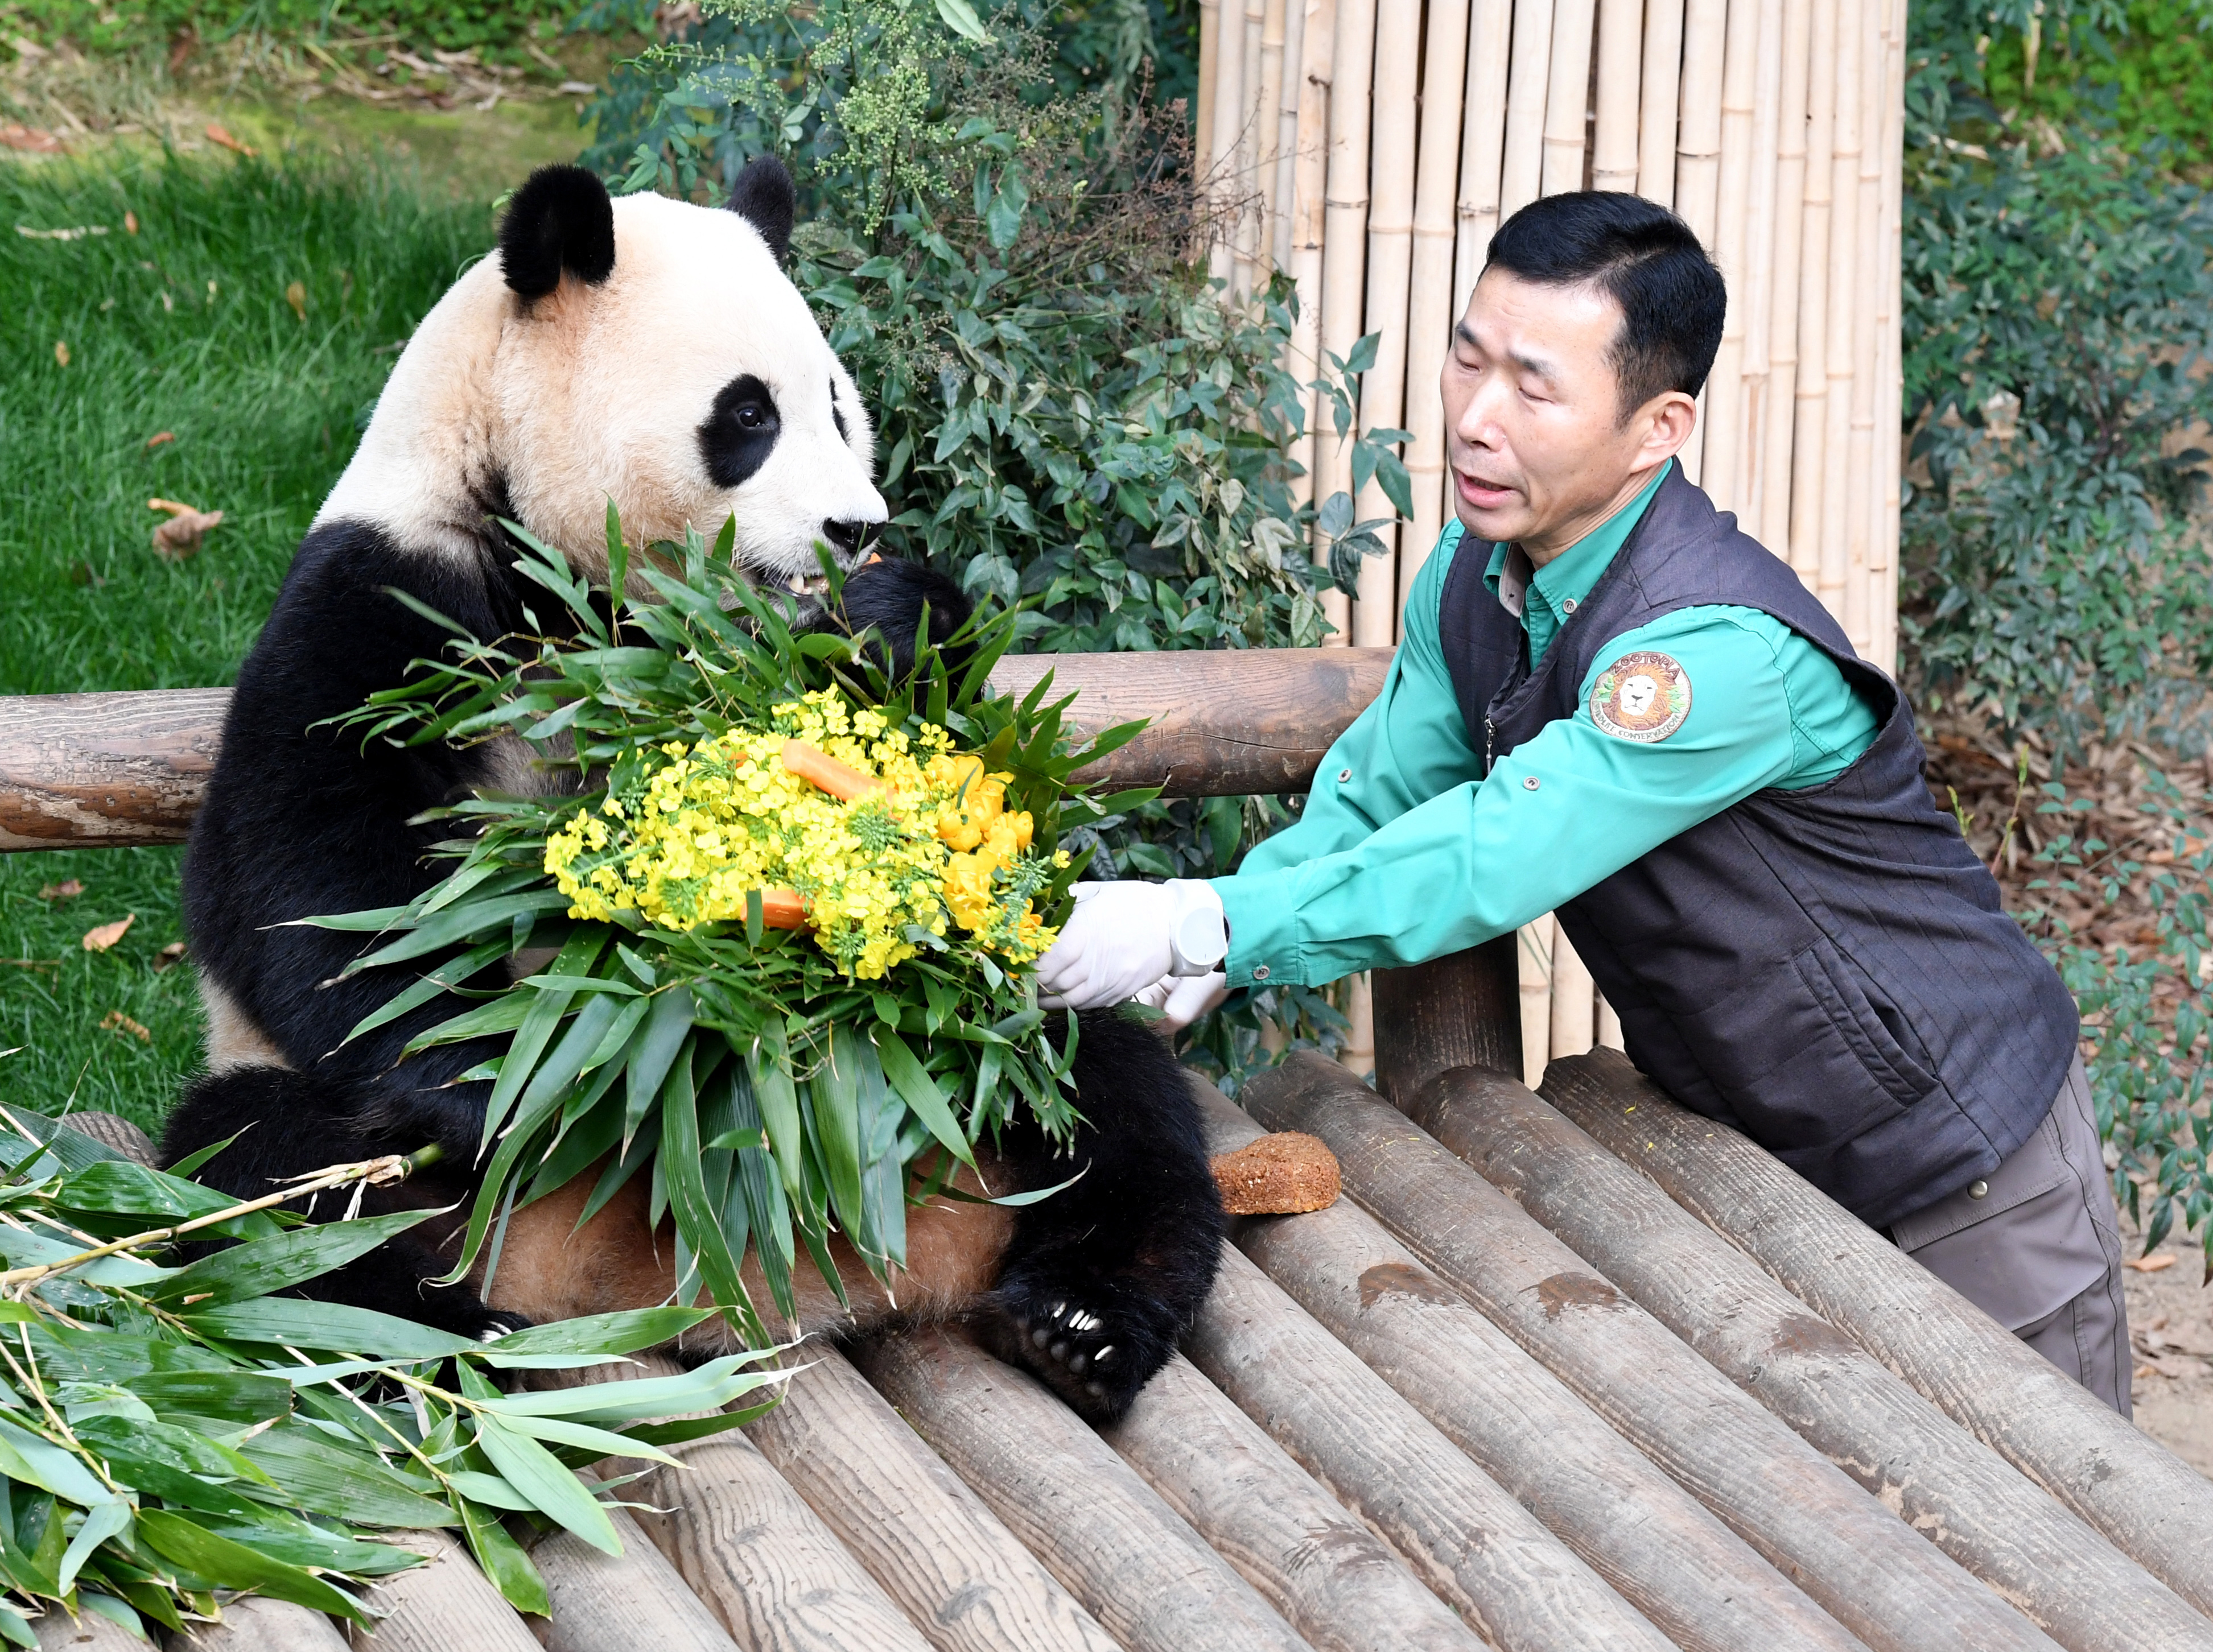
[1834,984]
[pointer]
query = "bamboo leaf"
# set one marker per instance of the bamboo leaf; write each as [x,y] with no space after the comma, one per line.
[262,1268]
[555,1492]
[920,1092]
[234,1565]
[504,1561]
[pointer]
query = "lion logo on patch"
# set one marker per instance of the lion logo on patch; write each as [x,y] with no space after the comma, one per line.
[1642,697]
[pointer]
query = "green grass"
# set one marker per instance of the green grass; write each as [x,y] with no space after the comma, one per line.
[264,406]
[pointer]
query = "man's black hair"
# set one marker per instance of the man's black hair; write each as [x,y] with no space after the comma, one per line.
[1647,260]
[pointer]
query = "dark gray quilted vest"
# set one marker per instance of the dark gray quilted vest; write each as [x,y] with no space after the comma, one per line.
[1828,969]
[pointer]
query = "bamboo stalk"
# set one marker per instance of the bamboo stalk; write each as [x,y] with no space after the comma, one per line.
[1285,188]
[1575,1008]
[1620,66]
[1309,184]
[1697,170]
[1267,141]
[1358,1055]
[1344,242]
[1725,387]
[1521,168]
[1851,238]
[1390,260]
[1483,141]
[1780,413]
[1889,409]
[1532,962]
[1609,1026]
[1228,109]
[1809,441]
[1251,204]
[1861,493]
[1659,107]
[1210,37]
[1429,315]
[1567,97]
[1760,265]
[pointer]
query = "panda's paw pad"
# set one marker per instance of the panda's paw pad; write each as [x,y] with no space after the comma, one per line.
[1096,1354]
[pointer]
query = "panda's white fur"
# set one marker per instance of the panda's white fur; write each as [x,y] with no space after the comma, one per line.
[598,390]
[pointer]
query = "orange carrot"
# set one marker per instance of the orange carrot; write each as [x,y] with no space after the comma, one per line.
[838,780]
[784,909]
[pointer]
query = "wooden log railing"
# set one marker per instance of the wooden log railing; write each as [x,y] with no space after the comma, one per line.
[112,770]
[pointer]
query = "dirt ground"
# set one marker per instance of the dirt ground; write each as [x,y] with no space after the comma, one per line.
[2170,1326]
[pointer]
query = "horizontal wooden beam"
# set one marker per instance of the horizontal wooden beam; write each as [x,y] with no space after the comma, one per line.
[112,770]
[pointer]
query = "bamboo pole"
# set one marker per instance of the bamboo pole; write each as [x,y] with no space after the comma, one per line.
[1251,202]
[1429,314]
[1575,1006]
[1660,102]
[1532,953]
[1858,1561]
[1969,1502]
[2153,1506]
[1334,1581]
[1221,174]
[1760,265]
[1483,143]
[1521,168]
[1852,227]
[1267,141]
[1863,488]
[1209,66]
[1287,95]
[1723,411]
[1697,171]
[1620,70]
[1344,243]
[1821,295]
[1889,409]
[1390,261]
[1567,97]
[1309,187]
[1358,1055]
[1147,1578]
[1779,414]
[1609,1027]
[1659,1548]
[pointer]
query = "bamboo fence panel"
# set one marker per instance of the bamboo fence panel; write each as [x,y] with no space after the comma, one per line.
[1413,128]
[1209,70]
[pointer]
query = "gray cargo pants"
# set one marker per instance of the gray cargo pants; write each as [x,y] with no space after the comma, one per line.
[2037,1246]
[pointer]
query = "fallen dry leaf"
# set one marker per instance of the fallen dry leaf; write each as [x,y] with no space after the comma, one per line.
[216,134]
[180,536]
[130,223]
[67,891]
[161,436]
[100,939]
[60,352]
[37,140]
[173,953]
[116,1021]
[2159,1262]
[296,297]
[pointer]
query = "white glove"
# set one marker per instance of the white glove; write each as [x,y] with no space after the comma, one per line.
[1123,937]
[1183,999]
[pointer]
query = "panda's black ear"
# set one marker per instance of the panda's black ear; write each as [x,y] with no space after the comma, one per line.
[560,220]
[763,197]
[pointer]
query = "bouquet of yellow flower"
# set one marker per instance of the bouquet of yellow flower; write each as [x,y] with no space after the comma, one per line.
[787,907]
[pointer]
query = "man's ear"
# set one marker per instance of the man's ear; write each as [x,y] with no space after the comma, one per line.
[1669,419]
[559,221]
[763,197]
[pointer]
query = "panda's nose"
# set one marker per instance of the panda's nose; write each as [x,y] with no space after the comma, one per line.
[846,536]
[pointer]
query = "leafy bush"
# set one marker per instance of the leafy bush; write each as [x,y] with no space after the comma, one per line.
[447,25]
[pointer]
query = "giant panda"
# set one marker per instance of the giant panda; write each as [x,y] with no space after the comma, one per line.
[653,352]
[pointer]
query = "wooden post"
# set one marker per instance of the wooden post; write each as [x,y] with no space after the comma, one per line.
[1697,1583]
[1662,91]
[1621,77]
[1567,97]
[1809,437]
[1520,1587]
[446,1604]
[1859,1562]
[927,1539]
[1462,1010]
[1942,1481]
[1344,242]
[2152,1505]
[1522,168]
[1144,1574]
[1338,1583]
[1429,314]
[1390,257]
[252,1623]
[1483,143]
[629,1602]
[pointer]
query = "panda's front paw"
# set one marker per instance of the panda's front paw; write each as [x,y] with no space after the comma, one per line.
[1096,1343]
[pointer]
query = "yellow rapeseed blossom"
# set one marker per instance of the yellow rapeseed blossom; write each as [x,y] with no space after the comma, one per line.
[685,844]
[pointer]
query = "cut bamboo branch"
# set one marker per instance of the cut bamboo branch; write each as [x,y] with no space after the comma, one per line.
[1810,434]
[1430,312]
[1522,169]
[1858,1561]
[1778,412]
[1520,1586]
[1390,259]
[2153,1506]
[1662,69]
[1222,176]
[1567,97]
[1462,1010]
[445,1604]
[1723,411]
[1338,1583]
[1574,999]
[252,1623]
[634,1601]
[1344,242]
[1144,1574]
[927,1539]
[1614,138]
[1533,972]
[1946,1483]
[1483,143]
[760,1559]
[1661,1551]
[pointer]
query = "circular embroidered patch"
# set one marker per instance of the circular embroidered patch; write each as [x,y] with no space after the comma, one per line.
[1643,697]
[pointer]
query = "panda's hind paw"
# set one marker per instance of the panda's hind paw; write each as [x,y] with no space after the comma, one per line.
[1094,1349]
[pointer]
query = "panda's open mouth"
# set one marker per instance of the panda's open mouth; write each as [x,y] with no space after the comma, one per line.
[817,586]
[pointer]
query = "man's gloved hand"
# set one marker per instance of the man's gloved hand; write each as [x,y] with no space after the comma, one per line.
[1183,999]
[1123,937]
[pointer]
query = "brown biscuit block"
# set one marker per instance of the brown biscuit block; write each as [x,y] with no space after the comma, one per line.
[1278,1175]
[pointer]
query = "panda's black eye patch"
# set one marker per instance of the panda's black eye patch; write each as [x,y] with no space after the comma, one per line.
[736,438]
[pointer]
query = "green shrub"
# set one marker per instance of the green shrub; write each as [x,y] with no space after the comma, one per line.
[446,25]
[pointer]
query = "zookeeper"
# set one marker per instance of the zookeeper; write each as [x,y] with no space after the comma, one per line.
[1611,703]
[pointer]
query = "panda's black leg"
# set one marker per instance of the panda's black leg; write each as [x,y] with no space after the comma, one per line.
[1101,1280]
[290,1124]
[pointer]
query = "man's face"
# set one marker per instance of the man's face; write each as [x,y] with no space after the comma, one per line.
[1534,433]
